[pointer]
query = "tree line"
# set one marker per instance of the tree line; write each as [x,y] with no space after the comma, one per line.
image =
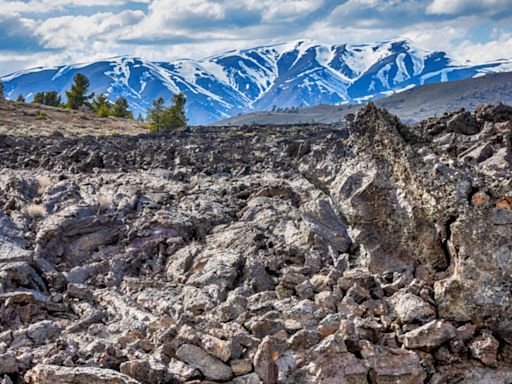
[159,117]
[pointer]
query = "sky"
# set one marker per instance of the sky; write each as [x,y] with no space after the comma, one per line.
[55,32]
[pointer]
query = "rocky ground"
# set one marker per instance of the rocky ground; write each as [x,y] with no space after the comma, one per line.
[375,253]
[26,119]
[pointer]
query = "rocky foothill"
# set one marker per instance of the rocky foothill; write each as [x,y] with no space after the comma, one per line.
[369,253]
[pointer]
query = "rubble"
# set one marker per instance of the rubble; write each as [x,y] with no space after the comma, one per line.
[380,254]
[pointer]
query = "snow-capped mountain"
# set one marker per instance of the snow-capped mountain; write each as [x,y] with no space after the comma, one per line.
[296,74]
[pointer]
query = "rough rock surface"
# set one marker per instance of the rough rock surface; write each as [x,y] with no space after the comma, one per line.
[373,253]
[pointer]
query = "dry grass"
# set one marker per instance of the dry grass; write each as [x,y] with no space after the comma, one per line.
[21,119]
[43,183]
[36,210]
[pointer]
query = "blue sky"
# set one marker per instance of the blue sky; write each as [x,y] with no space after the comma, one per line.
[52,32]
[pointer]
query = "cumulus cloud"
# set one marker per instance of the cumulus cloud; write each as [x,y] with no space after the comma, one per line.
[70,31]
[501,8]
[84,30]
[17,34]
[498,48]
[49,6]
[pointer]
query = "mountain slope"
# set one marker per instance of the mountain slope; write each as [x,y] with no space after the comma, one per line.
[296,74]
[411,105]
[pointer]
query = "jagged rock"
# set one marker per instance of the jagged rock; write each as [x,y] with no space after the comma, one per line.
[485,348]
[430,335]
[211,367]
[475,290]
[241,367]
[464,123]
[145,372]
[251,378]
[8,363]
[256,261]
[12,243]
[395,366]
[51,374]
[43,331]
[264,364]
[410,307]
[340,368]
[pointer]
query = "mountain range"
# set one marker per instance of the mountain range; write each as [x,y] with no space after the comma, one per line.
[411,105]
[296,74]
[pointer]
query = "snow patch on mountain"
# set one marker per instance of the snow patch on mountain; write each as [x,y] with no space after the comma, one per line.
[293,74]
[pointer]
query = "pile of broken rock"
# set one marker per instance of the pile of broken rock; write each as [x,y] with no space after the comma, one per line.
[374,253]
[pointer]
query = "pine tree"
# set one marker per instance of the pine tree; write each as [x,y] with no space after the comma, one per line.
[101,106]
[20,99]
[51,98]
[178,118]
[77,96]
[155,115]
[162,118]
[120,109]
[1,90]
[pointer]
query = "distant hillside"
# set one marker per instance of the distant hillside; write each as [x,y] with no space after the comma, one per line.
[411,105]
[295,74]
[23,119]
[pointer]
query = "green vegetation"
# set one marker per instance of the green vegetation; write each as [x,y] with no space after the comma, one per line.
[104,108]
[101,106]
[51,98]
[77,96]
[120,109]
[162,118]
[1,90]
[40,115]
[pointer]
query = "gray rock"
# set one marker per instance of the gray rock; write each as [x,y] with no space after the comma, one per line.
[8,363]
[264,364]
[410,307]
[51,374]
[430,335]
[485,349]
[211,367]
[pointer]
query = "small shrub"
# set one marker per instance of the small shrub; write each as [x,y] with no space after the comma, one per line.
[43,183]
[47,98]
[40,115]
[36,210]
[104,202]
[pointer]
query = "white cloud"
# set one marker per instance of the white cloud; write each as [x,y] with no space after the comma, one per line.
[171,29]
[458,7]
[49,6]
[287,10]
[71,31]
[500,48]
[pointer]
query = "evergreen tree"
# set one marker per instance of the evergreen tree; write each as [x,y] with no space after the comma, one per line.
[162,118]
[77,96]
[20,99]
[120,109]
[1,90]
[101,106]
[51,98]
[178,118]
[155,115]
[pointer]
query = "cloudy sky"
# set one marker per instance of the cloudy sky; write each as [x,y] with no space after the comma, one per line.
[51,32]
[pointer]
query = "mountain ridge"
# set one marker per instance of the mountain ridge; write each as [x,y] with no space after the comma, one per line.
[295,74]
[411,106]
